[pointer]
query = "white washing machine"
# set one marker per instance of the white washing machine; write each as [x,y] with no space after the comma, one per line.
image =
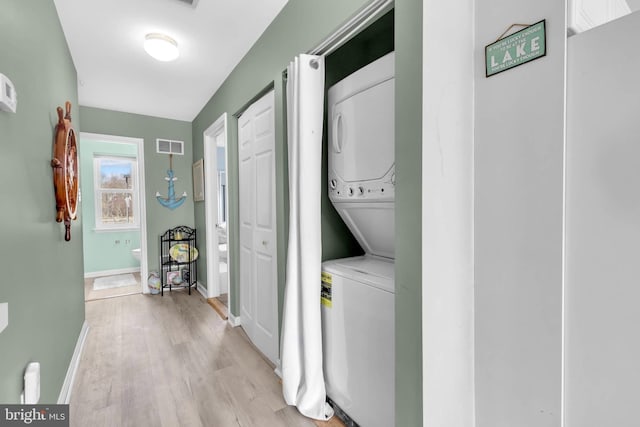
[358,330]
[358,294]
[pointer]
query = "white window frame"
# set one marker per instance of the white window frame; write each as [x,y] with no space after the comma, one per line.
[98,192]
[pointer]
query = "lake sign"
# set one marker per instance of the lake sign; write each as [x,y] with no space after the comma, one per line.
[516,49]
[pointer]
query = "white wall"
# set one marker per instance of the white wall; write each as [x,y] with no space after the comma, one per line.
[447,214]
[602,294]
[518,161]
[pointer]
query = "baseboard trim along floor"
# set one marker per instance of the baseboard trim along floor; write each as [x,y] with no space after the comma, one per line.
[67,386]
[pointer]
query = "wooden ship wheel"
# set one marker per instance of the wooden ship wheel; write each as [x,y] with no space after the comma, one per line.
[65,170]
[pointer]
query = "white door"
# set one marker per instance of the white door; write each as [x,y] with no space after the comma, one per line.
[257,195]
[216,211]
[222,224]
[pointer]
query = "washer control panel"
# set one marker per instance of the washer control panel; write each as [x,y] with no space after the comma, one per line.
[382,189]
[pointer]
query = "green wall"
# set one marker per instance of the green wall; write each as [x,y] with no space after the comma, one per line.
[159,219]
[408,39]
[103,250]
[42,275]
[262,67]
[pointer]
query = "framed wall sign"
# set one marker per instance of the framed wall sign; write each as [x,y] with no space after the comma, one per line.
[198,181]
[516,49]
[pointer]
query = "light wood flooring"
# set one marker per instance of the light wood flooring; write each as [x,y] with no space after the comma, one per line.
[90,294]
[171,361]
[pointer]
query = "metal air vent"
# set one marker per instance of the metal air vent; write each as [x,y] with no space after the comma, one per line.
[168,146]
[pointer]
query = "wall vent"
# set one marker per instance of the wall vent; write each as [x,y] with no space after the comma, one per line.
[168,146]
[192,3]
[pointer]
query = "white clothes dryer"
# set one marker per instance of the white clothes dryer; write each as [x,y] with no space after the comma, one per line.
[361,154]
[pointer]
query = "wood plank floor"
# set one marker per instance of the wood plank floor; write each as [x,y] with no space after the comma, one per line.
[171,361]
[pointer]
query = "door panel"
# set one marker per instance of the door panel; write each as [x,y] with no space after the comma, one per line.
[264,191]
[264,315]
[246,184]
[244,135]
[246,307]
[258,264]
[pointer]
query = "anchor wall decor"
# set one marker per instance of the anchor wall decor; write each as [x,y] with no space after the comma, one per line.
[170,201]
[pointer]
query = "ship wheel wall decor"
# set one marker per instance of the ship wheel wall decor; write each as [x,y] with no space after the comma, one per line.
[65,170]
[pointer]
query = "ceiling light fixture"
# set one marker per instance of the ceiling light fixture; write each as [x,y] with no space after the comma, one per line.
[161,47]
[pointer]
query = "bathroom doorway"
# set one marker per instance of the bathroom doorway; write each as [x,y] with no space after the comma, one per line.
[113,215]
[217,214]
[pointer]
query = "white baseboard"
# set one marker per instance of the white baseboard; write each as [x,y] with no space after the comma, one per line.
[202,290]
[278,369]
[111,272]
[67,386]
[233,320]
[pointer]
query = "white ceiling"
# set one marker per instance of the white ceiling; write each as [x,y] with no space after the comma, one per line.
[105,38]
[633,4]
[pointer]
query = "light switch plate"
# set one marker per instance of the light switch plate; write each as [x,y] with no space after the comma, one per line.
[4,315]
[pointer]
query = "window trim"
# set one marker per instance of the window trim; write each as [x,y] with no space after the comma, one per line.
[98,191]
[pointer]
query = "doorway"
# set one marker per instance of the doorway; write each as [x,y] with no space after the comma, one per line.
[114,215]
[257,224]
[217,214]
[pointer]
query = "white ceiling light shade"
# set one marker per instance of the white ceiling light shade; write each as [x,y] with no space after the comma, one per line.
[161,47]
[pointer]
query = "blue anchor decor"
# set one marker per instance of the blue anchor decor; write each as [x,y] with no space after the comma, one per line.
[170,201]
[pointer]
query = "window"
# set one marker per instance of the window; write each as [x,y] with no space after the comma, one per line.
[115,192]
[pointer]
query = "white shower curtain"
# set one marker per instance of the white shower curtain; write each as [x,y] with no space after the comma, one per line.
[301,352]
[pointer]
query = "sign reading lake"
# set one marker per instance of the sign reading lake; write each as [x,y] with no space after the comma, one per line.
[516,49]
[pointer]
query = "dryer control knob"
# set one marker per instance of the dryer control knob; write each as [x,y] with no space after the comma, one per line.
[361,190]
[333,183]
[350,191]
[393,178]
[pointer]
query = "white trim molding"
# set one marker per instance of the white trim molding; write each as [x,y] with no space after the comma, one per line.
[360,20]
[210,201]
[233,320]
[201,289]
[142,204]
[112,272]
[448,388]
[278,369]
[67,386]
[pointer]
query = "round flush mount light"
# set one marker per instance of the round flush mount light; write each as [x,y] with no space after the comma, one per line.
[161,47]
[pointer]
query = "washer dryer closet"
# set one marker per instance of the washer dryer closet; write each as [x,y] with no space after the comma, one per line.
[358,294]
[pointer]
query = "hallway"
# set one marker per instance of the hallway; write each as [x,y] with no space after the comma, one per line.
[171,361]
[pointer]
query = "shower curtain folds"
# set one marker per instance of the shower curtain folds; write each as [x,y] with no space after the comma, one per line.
[301,344]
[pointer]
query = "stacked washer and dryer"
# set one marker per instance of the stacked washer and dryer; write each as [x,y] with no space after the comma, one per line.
[358,293]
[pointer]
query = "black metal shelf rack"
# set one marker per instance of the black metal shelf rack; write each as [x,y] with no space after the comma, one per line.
[184,264]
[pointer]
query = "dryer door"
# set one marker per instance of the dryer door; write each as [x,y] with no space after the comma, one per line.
[361,140]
